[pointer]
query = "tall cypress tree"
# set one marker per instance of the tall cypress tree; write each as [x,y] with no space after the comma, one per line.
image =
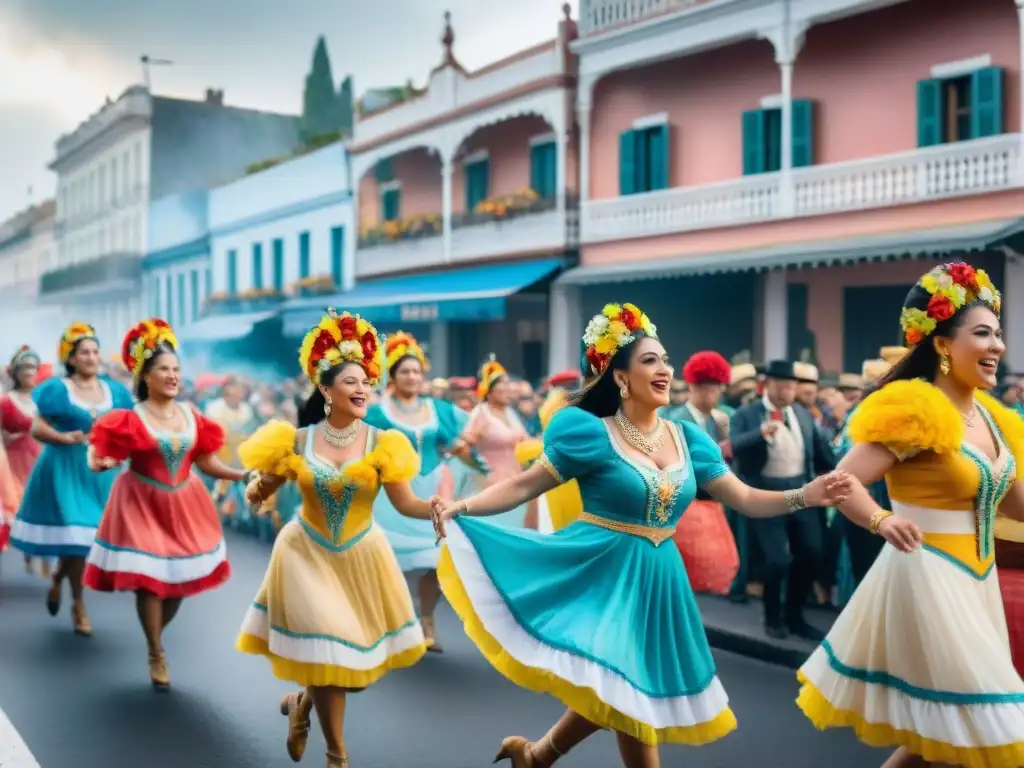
[346,105]
[319,104]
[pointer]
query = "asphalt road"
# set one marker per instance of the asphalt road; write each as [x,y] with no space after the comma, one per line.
[87,703]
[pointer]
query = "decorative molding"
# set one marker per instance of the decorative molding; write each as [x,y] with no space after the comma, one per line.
[962,67]
[650,121]
[544,138]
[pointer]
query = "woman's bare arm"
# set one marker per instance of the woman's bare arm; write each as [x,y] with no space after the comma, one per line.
[214,467]
[869,463]
[406,502]
[508,494]
[44,433]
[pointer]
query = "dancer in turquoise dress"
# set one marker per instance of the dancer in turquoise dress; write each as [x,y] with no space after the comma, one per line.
[64,499]
[601,614]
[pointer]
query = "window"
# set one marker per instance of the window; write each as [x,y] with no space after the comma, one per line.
[478,182]
[337,254]
[544,169]
[391,202]
[304,255]
[181,316]
[194,295]
[960,108]
[384,172]
[257,266]
[278,257]
[762,138]
[644,159]
[232,272]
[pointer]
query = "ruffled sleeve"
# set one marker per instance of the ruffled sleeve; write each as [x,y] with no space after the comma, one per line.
[118,434]
[395,458]
[450,421]
[705,455]
[575,443]
[376,417]
[908,417]
[209,435]
[528,451]
[271,449]
[120,394]
[51,398]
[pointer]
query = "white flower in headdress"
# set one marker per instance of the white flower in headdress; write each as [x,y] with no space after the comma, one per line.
[350,349]
[595,329]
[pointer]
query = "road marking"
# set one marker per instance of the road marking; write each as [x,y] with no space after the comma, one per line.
[14,752]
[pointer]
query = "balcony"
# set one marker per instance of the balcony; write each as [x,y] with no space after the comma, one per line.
[112,275]
[919,176]
[598,16]
[400,247]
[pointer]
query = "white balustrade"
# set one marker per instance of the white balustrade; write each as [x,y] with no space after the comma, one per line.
[601,15]
[544,230]
[399,256]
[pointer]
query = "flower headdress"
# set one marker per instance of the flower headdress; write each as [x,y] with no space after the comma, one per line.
[402,344]
[73,334]
[490,372]
[24,355]
[141,341]
[705,367]
[951,287]
[337,339]
[612,330]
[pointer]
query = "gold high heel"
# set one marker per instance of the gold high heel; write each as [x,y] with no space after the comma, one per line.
[430,635]
[517,750]
[158,672]
[295,706]
[80,620]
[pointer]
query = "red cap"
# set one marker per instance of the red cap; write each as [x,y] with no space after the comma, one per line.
[707,367]
[564,379]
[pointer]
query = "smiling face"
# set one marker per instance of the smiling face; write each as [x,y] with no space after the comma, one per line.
[407,377]
[975,349]
[86,358]
[163,376]
[649,376]
[25,375]
[349,391]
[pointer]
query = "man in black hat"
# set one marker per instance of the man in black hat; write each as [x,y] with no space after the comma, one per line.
[778,447]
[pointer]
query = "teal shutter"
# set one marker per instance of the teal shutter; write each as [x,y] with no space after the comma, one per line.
[337,254]
[304,266]
[627,163]
[170,300]
[182,317]
[536,169]
[929,113]
[384,171]
[658,157]
[232,276]
[194,280]
[987,102]
[477,183]
[543,169]
[257,265]
[803,133]
[278,264]
[754,142]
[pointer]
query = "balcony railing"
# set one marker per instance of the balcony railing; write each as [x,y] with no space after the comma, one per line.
[601,15]
[921,175]
[116,272]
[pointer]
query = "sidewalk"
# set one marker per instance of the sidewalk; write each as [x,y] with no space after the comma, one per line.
[14,753]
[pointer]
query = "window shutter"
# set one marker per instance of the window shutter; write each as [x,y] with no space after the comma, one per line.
[753,142]
[929,113]
[485,179]
[987,102]
[550,166]
[543,172]
[384,171]
[477,183]
[659,157]
[390,203]
[535,169]
[627,163]
[803,133]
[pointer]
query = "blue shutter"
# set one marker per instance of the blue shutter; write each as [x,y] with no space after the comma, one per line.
[754,142]
[194,279]
[257,265]
[536,174]
[384,171]
[232,276]
[543,169]
[627,163]
[337,254]
[182,317]
[390,203]
[485,179]
[304,266]
[550,166]
[987,102]
[477,183]
[278,257]
[658,157]
[803,133]
[929,113]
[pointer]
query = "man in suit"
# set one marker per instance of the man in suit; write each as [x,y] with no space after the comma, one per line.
[778,447]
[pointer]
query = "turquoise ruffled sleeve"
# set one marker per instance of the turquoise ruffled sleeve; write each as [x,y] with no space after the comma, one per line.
[376,417]
[51,398]
[575,444]
[120,394]
[705,455]
[451,421]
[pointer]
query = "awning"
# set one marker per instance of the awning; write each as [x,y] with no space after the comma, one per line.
[457,295]
[220,328]
[818,253]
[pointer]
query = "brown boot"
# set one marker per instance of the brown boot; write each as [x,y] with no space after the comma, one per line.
[296,707]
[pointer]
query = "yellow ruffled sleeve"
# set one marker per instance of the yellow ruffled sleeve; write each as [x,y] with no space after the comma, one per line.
[908,417]
[528,451]
[555,402]
[395,458]
[271,449]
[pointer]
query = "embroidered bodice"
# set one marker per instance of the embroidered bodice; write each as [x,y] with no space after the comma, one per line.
[431,437]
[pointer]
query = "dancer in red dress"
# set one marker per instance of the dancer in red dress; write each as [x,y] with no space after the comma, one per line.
[160,536]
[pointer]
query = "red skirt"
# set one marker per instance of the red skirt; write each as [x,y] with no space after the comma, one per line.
[708,548]
[165,541]
[1011,582]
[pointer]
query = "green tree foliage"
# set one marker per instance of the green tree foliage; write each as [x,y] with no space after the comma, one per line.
[325,112]
[346,106]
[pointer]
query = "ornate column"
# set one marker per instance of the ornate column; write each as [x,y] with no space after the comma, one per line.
[787,39]
[446,204]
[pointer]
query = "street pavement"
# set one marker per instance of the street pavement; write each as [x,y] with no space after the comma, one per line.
[87,703]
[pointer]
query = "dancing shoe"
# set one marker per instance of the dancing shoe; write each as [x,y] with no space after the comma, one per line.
[336,761]
[296,707]
[80,620]
[158,672]
[53,597]
[430,635]
[518,751]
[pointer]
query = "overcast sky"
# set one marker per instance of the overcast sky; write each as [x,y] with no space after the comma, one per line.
[60,58]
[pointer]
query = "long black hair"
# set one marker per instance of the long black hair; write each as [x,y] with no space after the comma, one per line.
[922,362]
[141,388]
[601,396]
[69,368]
[312,411]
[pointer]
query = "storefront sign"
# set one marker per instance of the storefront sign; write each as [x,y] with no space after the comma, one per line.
[419,313]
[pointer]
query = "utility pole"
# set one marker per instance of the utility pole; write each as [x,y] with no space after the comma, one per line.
[148,62]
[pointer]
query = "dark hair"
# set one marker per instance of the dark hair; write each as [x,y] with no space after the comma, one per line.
[141,388]
[601,397]
[312,411]
[69,369]
[922,362]
[398,364]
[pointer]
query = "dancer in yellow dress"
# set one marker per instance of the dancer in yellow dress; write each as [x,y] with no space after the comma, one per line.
[920,657]
[334,613]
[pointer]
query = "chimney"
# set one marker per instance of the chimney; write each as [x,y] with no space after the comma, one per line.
[215,97]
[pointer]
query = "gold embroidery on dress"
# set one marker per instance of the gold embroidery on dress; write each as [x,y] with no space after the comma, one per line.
[666,492]
[545,462]
[656,536]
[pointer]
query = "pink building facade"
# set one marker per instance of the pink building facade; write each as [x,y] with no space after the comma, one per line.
[466,197]
[773,175]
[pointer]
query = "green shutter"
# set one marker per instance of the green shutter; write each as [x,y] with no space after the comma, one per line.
[384,172]
[987,102]
[627,162]
[477,183]
[803,133]
[536,169]
[658,157]
[754,142]
[337,254]
[929,113]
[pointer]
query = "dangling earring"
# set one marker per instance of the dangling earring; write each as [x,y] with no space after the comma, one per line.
[327,408]
[944,364]
[624,391]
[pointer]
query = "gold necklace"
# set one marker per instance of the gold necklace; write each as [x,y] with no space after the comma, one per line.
[160,416]
[969,416]
[340,438]
[650,443]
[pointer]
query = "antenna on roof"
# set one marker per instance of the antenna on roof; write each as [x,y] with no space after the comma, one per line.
[146,61]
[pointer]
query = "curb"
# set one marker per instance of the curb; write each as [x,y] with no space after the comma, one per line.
[755,648]
[14,753]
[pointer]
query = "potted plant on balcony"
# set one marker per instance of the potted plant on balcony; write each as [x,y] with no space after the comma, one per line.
[413,227]
[314,285]
[501,207]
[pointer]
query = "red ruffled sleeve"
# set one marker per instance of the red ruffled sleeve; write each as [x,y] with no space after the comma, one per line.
[118,434]
[209,435]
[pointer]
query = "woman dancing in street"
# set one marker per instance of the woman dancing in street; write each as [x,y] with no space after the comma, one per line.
[920,659]
[160,536]
[64,501]
[334,613]
[554,614]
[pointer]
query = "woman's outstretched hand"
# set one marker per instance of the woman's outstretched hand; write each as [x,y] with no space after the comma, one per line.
[440,513]
[829,490]
[901,533]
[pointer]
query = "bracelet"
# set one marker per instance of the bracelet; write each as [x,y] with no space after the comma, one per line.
[464,510]
[795,499]
[876,520]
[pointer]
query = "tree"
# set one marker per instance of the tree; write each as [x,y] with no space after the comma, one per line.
[319,102]
[346,106]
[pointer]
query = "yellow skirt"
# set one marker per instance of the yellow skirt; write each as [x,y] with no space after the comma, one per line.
[332,615]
